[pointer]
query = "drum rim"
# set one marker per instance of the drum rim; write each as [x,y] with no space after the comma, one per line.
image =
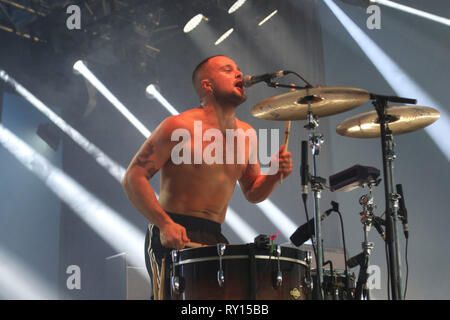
[237,257]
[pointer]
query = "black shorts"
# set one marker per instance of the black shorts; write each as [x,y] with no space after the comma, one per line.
[198,230]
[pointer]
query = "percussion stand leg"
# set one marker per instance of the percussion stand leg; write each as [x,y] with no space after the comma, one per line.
[362,277]
[391,198]
[316,141]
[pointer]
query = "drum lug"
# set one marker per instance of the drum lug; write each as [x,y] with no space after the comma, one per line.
[308,258]
[175,282]
[309,283]
[174,256]
[220,275]
[279,277]
[220,278]
[279,280]
[221,249]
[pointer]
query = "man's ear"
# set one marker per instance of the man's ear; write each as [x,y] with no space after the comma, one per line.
[206,85]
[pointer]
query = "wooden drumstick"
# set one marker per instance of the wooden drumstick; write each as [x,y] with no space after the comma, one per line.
[155,280]
[286,134]
[286,141]
[194,245]
[162,280]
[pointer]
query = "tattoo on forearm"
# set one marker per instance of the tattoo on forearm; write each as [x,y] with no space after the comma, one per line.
[143,161]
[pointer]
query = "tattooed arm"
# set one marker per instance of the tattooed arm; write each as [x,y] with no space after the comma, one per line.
[153,154]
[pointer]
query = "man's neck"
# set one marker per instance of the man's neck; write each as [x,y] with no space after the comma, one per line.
[223,115]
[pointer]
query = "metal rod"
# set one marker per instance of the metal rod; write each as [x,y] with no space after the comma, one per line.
[318,226]
[391,200]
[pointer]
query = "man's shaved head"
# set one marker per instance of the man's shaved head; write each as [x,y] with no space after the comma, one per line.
[218,77]
[199,68]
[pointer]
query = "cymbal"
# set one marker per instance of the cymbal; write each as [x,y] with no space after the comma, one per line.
[325,101]
[401,119]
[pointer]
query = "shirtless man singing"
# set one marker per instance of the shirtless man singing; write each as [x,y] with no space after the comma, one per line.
[194,196]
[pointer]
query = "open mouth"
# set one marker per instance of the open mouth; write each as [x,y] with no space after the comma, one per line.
[239,85]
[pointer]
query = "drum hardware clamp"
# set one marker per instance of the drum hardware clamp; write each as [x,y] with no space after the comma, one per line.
[220,275]
[309,280]
[279,277]
[174,279]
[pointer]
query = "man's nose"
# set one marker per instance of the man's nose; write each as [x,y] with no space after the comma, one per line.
[239,75]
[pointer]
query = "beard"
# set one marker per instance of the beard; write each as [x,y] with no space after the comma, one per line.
[229,97]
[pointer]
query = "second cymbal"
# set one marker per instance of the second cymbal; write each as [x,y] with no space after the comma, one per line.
[401,119]
[325,101]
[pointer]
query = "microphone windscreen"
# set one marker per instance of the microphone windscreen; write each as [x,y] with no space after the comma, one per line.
[303,233]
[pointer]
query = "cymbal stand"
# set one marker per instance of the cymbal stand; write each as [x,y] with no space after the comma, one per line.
[317,185]
[315,141]
[391,198]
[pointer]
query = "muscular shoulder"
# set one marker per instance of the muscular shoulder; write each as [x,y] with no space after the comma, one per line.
[243,125]
[180,121]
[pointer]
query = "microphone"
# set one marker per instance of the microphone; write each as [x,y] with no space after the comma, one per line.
[306,230]
[403,211]
[304,168]
[248,81]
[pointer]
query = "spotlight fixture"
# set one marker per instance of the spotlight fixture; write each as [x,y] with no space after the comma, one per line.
[236,6]
[152,92]
[151,89]
[224,36]
[194,22]
[267,18]
[78,66]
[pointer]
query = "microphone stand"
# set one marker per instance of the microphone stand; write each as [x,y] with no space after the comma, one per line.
[317,183]
[362,290]
[391,198]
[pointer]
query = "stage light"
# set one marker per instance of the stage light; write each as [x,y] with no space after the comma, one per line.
[236,6]
[399,81]
[224,36]
[152,91]
[115,230]
[80,67]
[111,166]
[19,282]
[413,11]
[194,22]
[267,18]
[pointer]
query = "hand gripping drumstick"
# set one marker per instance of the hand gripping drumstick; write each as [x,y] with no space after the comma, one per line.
[286,135]
[286,141]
